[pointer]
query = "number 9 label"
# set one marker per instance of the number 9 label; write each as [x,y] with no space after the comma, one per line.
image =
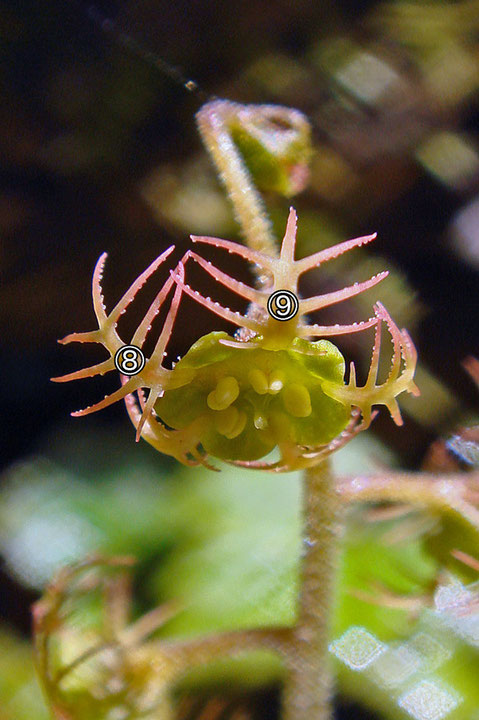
[283,305]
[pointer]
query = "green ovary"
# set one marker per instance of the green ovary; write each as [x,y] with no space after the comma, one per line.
[250,401]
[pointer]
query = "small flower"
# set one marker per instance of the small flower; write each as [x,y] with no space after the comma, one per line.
[268,388]
[101,664]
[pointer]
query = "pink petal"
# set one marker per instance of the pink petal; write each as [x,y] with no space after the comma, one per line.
[321,301]
[330,253]
[328,330]
[253,256]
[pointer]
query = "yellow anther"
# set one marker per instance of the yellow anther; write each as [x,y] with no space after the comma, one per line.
[226,420]
[238,426]
[276,382]
[297,400]
[259,381]
[225,393]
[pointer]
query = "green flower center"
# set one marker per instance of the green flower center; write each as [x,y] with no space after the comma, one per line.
[252,400]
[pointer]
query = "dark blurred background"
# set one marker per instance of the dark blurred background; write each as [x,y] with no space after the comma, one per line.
[99,151]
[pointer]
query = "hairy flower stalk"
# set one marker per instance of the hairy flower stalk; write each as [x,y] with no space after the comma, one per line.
[273,396]
[309,687]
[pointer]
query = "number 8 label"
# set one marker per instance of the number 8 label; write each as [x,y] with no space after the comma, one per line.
[129,360]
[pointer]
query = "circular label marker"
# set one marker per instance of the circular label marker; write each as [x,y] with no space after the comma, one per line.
[129,360]
[283,305]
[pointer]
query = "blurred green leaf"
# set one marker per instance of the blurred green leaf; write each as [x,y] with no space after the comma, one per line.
[19,689]
[236,563]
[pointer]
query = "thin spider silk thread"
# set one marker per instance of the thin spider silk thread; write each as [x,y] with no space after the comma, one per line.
[109,27]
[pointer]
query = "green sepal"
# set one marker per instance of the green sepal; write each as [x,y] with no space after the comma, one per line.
[321,358]
[205,351]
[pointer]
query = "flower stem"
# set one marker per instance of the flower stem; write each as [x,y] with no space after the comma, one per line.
[309,686]
[214,121]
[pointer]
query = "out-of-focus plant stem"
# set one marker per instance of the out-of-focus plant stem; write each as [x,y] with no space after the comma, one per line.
[457,491]
[214,121]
